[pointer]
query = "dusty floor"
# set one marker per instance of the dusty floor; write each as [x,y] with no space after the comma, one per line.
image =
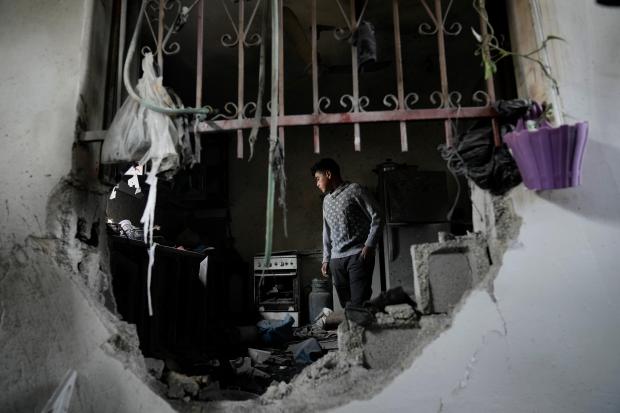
[339,376]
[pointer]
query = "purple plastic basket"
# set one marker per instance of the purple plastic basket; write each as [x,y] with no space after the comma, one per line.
[549,158]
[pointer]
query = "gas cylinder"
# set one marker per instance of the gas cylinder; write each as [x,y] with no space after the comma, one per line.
[319,298]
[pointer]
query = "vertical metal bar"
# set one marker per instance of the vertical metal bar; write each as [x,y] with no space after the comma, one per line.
[404,145]
[121,53]
[315,80]
[199,75]
[443,70]
[160,37]
[199,52]
[281,70]
[356,126]
[489,82]
[240,75]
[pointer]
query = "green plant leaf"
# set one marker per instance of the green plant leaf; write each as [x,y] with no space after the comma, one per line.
[489,69]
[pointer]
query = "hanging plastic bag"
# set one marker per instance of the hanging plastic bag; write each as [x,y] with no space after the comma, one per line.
[140,134]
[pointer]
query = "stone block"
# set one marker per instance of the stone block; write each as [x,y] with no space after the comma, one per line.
[444,271]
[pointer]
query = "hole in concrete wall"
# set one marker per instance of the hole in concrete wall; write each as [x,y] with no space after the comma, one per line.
[197,340]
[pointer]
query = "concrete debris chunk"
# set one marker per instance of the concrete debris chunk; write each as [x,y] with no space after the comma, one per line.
[400,311]
[155,367]
[202,380]
[384,319]
[398,316]
[277,391]
[179,385]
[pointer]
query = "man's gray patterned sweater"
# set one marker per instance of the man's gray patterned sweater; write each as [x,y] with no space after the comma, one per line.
[350,221]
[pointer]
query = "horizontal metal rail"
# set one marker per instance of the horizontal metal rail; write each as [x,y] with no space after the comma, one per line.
[352,117]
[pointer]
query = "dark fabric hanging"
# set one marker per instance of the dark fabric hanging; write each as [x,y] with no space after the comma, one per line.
[475,155]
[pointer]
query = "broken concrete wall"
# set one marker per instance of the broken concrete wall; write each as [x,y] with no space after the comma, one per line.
[53,286]
[545,337]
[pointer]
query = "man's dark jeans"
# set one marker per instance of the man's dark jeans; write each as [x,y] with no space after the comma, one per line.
[352,277]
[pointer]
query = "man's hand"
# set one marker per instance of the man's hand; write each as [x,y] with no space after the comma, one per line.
[324,270]
[367,252]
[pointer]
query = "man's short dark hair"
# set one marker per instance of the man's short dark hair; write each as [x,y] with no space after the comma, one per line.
[324,165]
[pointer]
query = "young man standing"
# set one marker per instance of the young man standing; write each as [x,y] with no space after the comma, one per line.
[351,228]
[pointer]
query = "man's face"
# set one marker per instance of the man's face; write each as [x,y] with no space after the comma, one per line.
[322,180]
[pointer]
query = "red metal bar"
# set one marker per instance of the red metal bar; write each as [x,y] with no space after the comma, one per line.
[357,139]
[443,69]
[404,144]
[315,80]
[355,117]
[281,79]
[199,52]
[490,83]
[240,75]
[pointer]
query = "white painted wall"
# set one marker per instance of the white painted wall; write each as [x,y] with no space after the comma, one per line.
[39,78]
[49,323]
[551,342]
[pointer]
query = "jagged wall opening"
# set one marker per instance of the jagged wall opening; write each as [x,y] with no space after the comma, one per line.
[61,309]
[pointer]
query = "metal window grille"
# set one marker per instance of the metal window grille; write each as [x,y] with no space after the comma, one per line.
[399,106]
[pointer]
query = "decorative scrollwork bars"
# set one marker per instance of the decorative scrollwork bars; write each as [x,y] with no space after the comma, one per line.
[399,106]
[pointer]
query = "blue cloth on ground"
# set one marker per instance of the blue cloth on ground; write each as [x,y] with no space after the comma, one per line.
[276,332]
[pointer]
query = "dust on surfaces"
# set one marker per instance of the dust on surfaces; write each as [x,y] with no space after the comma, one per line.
[507,222]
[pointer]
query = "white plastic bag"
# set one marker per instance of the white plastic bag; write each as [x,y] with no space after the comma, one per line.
[140,134]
